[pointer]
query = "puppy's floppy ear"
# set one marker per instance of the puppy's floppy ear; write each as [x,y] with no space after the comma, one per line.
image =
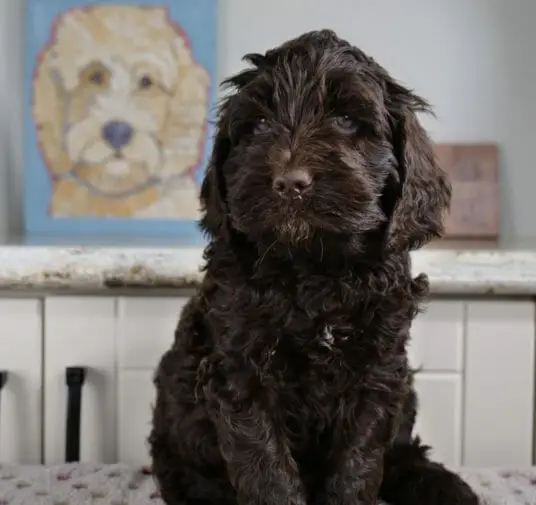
[213,192]
[215,220]
[425,192]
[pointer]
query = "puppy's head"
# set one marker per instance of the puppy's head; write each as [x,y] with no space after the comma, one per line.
[318,140]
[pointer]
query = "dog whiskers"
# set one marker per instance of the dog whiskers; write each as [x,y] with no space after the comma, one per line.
[258,263]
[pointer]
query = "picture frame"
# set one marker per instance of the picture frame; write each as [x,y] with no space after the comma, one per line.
[120,102]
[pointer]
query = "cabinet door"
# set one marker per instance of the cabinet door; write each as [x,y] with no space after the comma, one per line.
[81,331]
[21,402]
[439,419]
[437,334]
[499,384]
[146,328]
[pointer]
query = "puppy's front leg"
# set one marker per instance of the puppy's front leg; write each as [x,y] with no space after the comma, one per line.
[259,463]
[360,439]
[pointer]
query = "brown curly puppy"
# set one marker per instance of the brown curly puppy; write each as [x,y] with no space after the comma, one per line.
[288,382]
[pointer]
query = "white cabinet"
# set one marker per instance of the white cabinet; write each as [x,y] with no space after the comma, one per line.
[437,351]
[119,341]
[475,380]
[437,337]
[21,402]
[450,340]
[136,395]
[146,328]
[81,331]
[476,384]
[439,420]
[499,384]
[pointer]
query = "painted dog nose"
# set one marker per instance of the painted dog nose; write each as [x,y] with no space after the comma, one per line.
[117,133]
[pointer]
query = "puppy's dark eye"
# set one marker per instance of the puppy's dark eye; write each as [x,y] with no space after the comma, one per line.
[145,82]
[346,123]
[261,126]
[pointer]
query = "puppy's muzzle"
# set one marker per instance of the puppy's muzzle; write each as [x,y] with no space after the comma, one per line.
[293,183]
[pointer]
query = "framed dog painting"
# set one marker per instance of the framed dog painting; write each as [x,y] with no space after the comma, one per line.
[121,95]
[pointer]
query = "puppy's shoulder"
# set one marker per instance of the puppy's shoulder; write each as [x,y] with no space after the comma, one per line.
[192,330]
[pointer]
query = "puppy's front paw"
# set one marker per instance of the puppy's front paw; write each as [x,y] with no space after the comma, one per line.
[438,486]
[426,483]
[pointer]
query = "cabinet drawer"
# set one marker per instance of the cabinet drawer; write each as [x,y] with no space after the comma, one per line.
[437,338]
[146,329]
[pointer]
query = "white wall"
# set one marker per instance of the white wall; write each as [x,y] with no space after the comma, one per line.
[473,59]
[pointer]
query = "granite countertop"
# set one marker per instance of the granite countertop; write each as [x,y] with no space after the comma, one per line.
[503,272]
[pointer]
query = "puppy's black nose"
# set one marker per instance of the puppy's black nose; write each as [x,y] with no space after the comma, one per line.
[117,133]
[292,183]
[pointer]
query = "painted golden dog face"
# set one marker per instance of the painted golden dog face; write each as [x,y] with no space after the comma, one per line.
[119,100]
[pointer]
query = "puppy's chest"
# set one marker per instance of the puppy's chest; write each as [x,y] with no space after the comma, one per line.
[310,371]
[327,338]
[311,351]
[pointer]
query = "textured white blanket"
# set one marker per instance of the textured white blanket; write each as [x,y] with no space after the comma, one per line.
[84,483]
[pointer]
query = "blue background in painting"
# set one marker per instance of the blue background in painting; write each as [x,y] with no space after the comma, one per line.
[198,19]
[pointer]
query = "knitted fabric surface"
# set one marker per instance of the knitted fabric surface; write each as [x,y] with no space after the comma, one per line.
[86,483]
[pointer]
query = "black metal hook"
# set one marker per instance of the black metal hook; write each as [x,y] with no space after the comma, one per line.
[3,378]
[74,378]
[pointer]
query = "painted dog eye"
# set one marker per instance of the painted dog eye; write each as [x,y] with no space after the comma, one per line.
[145,82]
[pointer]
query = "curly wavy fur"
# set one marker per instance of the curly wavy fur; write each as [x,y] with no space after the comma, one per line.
[288,381]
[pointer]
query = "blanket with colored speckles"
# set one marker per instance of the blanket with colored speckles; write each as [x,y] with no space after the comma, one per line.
[85,483]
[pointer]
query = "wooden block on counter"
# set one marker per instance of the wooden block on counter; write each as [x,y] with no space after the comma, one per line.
[473,170]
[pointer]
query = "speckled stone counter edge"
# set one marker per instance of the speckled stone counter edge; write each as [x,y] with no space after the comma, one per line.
[107,268]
